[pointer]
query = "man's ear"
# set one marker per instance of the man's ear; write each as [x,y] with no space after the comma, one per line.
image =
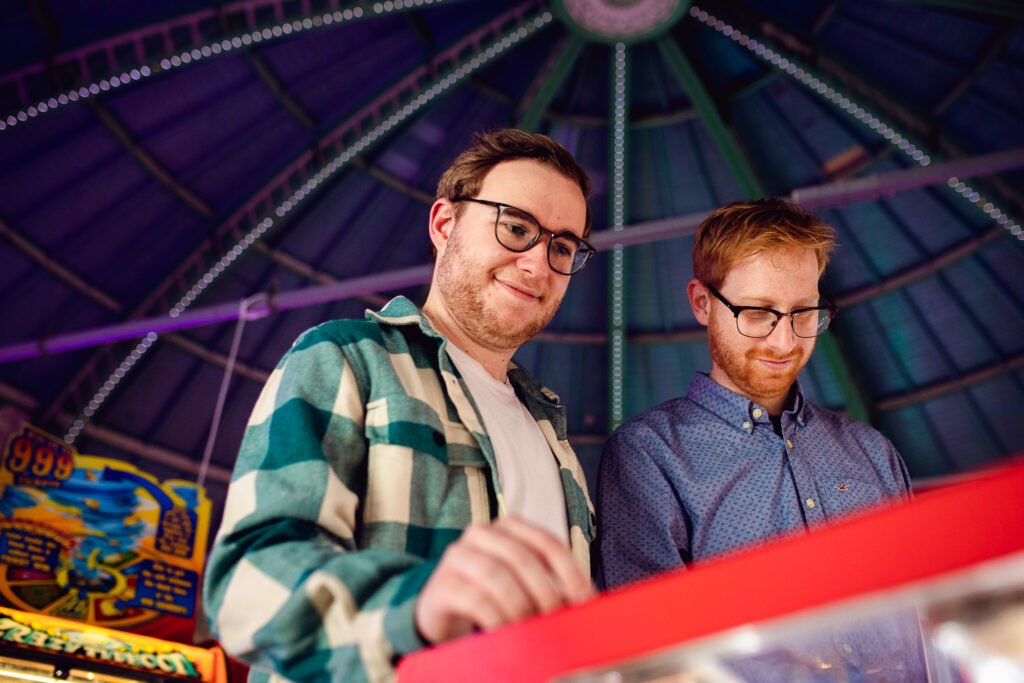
[700,300]
[442,220]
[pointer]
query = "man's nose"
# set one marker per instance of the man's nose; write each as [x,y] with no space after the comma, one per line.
[535,259]
[782,339]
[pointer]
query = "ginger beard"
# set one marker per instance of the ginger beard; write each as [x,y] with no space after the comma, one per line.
[463,284]
[740,363]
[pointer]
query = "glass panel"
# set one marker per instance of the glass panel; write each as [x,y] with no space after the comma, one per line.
[964,629]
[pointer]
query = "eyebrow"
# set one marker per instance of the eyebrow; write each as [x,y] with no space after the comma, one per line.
[764,303]
[523,213]
[519,213]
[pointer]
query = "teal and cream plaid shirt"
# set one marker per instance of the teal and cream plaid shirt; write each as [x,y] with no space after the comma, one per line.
[365,456]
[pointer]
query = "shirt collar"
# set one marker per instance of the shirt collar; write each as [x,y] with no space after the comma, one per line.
[738,410]
[401,311]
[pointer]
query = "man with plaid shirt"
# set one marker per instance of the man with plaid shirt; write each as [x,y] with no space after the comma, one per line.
[402,481]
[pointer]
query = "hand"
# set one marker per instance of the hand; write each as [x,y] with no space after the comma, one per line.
[495,574]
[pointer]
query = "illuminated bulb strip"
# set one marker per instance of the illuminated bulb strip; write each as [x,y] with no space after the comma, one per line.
[902,142]
[202,52]
[618,220]
[968,193]
[442,85]
[816,84]
[30,677]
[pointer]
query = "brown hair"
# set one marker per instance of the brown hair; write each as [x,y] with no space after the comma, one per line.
[464,177]
[741,229]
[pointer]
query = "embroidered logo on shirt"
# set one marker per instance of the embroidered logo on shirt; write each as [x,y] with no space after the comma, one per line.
[841,487]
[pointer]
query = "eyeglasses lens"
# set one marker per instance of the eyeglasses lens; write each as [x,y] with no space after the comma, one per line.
[518,232]
[757,323]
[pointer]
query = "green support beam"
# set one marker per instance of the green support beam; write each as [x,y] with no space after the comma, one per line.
[856,406]
[705,106]
[552,81]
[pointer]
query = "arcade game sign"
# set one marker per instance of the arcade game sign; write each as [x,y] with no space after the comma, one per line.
[98,541]
[48,650]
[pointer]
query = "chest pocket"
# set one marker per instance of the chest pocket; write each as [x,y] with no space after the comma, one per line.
[846,495]
[426,477]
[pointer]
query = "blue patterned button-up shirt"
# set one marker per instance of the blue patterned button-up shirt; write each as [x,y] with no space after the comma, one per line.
[704,474]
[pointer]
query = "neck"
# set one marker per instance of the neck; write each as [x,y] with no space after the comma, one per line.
[494,361]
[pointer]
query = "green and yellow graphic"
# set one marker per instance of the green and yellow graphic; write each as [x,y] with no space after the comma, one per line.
[95,539]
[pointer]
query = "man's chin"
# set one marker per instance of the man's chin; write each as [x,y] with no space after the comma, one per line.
[771,385]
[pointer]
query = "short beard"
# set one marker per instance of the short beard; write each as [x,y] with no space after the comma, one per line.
[456,280]
[741,368]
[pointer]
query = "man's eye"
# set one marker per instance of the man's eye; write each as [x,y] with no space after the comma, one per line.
[516,229]
[806,315]
[564,249]
[758,315]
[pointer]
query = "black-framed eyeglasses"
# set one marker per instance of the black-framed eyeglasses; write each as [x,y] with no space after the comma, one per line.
[518,231]
[758,321]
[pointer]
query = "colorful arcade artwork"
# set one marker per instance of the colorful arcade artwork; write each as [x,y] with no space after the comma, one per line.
[94,539]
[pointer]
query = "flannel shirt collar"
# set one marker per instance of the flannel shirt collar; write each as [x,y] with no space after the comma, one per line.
[401,311]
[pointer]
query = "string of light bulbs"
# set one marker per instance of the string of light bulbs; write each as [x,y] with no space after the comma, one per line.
[415,103]
[817,84]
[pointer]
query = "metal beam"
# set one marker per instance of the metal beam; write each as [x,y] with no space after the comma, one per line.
[216,358]
[393,181]
[282,95]
[149,162]
[112,437]
[310,273]
[163,456]
[259,308]
[974,73]
[943,388]
[551,77]
[880,185]
[17,397]
[145,46]
[937,263]
[762,26]
[619,83]
[833,194]
[710,116]
[407,89]
[63,273]
[824,16]
[999,8]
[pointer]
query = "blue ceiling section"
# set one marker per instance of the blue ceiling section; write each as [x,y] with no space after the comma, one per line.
[159,156]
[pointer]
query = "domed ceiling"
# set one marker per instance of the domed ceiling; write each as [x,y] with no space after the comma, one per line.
[187,186]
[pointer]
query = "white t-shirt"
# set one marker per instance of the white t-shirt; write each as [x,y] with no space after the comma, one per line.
[531,482]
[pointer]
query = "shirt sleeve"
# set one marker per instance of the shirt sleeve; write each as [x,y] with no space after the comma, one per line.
[286,589]
[641,525]
[900,475]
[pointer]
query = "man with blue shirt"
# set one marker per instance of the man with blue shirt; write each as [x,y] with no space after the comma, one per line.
[744,456]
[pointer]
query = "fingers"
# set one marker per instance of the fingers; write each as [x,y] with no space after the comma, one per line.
[449,606]
[572,584]
[495,574]
[512,572]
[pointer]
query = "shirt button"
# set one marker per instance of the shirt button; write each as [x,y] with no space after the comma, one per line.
[810,502]
[849,650]
[758,412]
[746,425]
[789,444]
